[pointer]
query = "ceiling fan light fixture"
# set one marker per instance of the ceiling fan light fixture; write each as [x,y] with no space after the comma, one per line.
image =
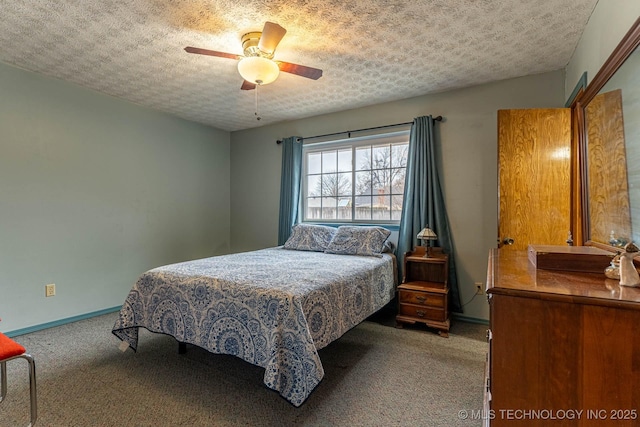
[258,70]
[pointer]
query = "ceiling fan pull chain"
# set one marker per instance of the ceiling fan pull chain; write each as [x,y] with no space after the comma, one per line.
[256,113]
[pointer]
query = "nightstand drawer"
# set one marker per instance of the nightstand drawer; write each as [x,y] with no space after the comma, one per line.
[422,298]
[423,312]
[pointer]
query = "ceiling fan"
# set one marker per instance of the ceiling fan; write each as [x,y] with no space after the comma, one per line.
[256,66]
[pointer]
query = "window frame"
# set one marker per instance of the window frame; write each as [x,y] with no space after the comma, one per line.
[351,143]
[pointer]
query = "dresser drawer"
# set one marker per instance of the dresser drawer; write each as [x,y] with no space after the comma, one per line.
[429,299]
[420,312]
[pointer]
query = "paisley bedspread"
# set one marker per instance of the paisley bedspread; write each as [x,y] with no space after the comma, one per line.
[273,308]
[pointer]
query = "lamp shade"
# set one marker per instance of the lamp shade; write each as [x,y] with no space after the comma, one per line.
[427,234]
[258,70]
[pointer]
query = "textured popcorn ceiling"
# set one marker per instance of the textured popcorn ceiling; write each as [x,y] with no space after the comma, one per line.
[370,51]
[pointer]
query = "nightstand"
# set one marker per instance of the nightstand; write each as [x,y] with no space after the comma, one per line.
[423,295]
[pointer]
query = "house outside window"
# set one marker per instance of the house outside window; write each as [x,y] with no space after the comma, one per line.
[357,180]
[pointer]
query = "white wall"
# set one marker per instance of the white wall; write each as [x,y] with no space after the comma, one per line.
[93,192]
[609,22]
[467,148]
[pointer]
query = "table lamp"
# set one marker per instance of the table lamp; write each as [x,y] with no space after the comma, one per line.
[427,234]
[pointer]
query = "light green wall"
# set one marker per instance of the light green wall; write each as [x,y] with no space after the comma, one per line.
[93,192]
[609,22]
[468,153]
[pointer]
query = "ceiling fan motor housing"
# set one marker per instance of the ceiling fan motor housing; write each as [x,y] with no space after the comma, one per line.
[250,45]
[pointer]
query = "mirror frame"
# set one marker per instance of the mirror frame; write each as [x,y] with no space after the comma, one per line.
[625,48]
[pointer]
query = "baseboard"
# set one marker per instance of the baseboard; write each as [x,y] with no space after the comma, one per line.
[61,322]
[72,319]
[470,319]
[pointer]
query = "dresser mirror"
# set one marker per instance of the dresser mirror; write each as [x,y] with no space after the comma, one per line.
[609,135]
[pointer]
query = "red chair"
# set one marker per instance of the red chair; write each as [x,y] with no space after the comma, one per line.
[9,350]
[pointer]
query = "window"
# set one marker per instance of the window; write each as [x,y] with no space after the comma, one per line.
[356,180]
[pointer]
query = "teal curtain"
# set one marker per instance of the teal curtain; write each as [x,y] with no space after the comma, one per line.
[423,202]
[289,186]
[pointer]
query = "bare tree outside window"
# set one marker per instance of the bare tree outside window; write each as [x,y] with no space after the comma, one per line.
[334,185]
[387,166]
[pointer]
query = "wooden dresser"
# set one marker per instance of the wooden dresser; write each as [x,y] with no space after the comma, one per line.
[564,347]
[423,295]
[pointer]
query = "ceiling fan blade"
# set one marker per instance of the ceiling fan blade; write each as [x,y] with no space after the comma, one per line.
[247,85]
[200,51]
[300,70]
[272,33]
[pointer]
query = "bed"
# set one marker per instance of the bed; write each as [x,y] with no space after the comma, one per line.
[274,308]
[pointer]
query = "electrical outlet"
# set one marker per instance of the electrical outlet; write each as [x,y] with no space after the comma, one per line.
[479,288]
[50,290]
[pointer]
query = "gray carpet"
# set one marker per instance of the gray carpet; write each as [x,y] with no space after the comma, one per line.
[375,375]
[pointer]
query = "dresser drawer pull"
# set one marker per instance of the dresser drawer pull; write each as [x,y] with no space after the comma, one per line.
[420,313]
[421,298]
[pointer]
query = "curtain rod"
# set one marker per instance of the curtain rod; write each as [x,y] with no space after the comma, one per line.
[348,132]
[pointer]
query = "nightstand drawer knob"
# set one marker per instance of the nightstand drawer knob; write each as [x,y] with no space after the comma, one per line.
[420,313]
[421,298]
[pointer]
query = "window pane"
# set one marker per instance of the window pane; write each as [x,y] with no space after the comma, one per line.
[399,154]
[363,207]
[363,158]
[329,161]
[396,207]
[382,208]
[397,180]
[329,205]
[314,163]
[344,160]
[381,157]
[344,208]
[344,184]
[313,185]
[328,184]
[380,181]
[363,182]
[313,208]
